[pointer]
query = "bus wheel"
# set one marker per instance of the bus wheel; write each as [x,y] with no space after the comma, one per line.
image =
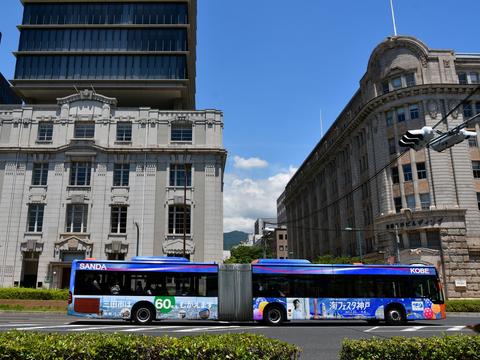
[143,314]
[273,315]
[394,315]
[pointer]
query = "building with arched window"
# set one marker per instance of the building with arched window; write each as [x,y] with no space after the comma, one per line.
[352,196]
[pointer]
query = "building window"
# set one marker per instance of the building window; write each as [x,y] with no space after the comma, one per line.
[472,141]
[389,118]
[462,78]
[478,200]
[280,236]
[121,174]
[407,172]
[397,82]
[425,201]
[421,171]
[80,173]
[280,248]
[177,174]
[410,201]
[398,204]
[476,169]
[40,174]
[392,146]
[176,216]
[76,218]
[477,107]
[385,87]
[433,239]
[181,132]
[45,131]
[395,176]
[124,131]
[116,256]
[467,110]
[414,240]
[35,217]
[474,78]
[119,220]
[400,114]
[414,113]
[410,79]
[84,130]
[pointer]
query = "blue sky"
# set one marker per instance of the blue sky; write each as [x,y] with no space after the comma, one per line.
[272,65]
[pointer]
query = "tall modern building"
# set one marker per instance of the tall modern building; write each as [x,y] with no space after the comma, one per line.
[137,51]
[107,158]
[7,96]
[352,196]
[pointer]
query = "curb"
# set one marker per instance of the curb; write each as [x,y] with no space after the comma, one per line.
[463,314]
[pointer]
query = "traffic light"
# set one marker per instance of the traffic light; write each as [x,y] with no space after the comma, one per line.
[417,139]
[451,138]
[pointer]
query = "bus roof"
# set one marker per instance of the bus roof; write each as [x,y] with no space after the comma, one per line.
[166,266]
[340,269]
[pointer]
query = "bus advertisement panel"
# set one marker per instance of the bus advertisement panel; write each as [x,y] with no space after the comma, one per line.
[310,292]
[143,291]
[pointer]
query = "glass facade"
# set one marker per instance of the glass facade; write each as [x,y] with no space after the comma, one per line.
[103,40]
[98,67]
[105,13]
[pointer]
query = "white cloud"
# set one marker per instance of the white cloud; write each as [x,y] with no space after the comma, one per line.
[250,163]
[246,199]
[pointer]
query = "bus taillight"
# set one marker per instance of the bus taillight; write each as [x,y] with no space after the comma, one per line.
[69,297]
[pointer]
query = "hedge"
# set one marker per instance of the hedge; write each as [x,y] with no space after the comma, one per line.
[463,306]
[459,347]
[31,345]
[33,294]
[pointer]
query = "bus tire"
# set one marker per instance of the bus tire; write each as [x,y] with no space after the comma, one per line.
[274,315]
[395,315]
[143,313]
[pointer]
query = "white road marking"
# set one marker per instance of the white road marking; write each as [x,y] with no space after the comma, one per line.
[46,327]
[413,328]
[376,327]
[238,328]
[136,329]
[456,328]
[207,328]
[17,324]
[104,327]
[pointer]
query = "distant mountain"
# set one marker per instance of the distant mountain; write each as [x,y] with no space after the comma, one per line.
[232,238]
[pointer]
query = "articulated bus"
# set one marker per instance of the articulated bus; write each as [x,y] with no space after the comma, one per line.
[268,290]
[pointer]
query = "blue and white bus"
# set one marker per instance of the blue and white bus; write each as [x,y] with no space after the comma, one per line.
[297,290]
[272,291]
[144,289]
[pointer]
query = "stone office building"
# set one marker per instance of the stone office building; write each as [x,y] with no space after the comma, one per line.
[108,157]
[422,207]
[78,179]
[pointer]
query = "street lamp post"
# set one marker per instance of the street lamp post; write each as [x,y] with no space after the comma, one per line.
[138,238]
[397,244]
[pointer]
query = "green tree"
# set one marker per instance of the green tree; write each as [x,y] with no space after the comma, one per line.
[244,254]
[330,259]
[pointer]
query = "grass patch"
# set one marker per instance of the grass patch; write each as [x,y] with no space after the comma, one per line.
[463,305]
[19,293]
